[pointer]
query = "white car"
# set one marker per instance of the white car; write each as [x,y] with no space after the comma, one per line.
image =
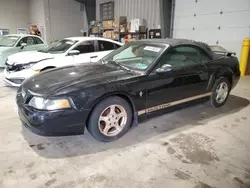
[11,44]
[65,52]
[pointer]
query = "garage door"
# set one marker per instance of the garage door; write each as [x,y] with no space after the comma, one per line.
[222,22]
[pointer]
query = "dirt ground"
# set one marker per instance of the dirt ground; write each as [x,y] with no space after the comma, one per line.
[196,147]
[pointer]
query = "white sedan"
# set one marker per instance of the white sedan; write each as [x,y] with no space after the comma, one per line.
[65,52]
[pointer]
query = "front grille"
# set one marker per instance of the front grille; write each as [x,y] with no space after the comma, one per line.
[14,67]
[24,95]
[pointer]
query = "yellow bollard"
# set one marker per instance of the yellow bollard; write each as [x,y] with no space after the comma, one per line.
[244,56]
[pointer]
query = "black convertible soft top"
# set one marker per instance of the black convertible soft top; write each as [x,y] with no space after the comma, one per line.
[174,42]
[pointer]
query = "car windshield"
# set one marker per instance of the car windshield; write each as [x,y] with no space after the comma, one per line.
[59,47]
[134,55]
[8,41]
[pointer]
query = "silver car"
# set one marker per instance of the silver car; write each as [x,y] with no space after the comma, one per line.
[11,44]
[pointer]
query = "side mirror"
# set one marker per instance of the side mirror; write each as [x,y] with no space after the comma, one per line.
[164,69]
[23,45]
[73,52]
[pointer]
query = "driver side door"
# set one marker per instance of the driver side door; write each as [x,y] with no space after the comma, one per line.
[186,80]
[31,44]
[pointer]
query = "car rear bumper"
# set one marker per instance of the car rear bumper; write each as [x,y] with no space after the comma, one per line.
[236,78]
[55,123]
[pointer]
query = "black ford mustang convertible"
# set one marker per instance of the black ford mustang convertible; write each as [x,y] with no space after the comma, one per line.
[137,80]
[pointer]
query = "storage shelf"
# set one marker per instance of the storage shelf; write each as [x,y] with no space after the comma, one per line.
[132,33]
[108,29]
[122,34]
[110,38]
[96,33]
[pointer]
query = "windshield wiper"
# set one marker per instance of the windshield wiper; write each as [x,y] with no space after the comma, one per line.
[119,64]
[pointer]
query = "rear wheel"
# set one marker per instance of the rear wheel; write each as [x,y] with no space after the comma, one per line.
[110,119]
[220,92]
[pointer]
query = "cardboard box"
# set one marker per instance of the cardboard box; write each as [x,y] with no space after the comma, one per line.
[115,35]
[95,29]
[111,35]
[107,34]
[108,24]
[120,20]
[123,28]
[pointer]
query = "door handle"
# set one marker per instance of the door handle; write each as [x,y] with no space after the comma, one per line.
[94,57]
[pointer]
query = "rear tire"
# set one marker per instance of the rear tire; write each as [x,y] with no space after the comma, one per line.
[110,119]
[220,92]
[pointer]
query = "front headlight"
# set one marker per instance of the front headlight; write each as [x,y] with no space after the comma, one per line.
[48,104]
[28,65]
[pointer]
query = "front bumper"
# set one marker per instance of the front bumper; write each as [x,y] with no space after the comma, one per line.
[52,123]
[16,82]
[15,79]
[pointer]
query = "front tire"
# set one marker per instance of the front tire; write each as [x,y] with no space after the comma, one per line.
[110,119]
[220,92]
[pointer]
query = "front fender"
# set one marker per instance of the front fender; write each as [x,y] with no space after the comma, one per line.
[44,63]
[122,94]
[5,54]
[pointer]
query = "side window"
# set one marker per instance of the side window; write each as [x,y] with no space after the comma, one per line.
[189,52]
[204,56]
[117,46]
[180,56]
[105,45]
[23,40]
[27,40]
[37,40]
[85,47]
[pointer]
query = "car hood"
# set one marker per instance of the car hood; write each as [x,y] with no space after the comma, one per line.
[28,57]
[4,48]
[61,80]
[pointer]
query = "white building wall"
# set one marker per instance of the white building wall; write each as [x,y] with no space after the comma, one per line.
[201,21]
[63,18]
[14,14]
[37,15]
[36,12]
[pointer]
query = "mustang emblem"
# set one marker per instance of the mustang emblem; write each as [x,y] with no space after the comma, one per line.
[141,93]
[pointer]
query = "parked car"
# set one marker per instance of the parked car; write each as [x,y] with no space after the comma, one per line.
[139,79]
[64,52]
[11,44]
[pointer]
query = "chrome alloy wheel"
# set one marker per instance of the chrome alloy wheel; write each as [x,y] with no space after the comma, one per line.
[112,120]
[221,92]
